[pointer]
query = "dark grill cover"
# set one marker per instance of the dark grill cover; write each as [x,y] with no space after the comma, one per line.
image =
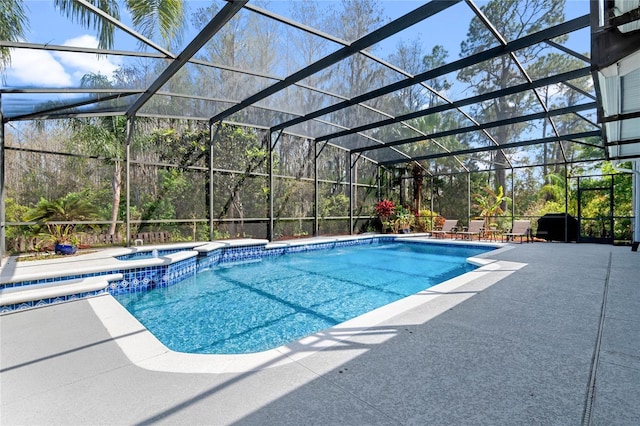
[551,227]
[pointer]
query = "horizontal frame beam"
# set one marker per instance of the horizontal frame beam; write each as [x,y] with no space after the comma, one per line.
[529,40]
[362,43]
[226,13]
[503,146]
[570,75]
[484,126]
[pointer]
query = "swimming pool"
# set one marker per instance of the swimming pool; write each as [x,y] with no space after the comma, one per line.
[261,304]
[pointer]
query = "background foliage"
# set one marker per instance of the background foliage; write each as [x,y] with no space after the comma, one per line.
[170,188]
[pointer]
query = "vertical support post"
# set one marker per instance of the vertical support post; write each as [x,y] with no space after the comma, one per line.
[212,137]
[316,187]
[128,137]
[566,206]
[272,145]
[431,201]
[378,183]
[611,210]
[353,189]
[270,154]
[402,186]
[2,184]
[635,200]
[350,191]
[468,197]
[354,179]
[635,167]
[513,196]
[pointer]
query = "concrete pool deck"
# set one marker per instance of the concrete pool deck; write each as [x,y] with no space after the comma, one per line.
[553,342]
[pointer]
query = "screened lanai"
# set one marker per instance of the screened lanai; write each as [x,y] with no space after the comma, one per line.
[272,119]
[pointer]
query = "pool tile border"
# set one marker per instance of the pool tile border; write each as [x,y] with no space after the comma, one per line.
[139,278]
[49,301]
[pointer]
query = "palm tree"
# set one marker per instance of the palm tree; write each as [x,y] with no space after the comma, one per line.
[13,24]
[490,203]
[164,17]
[554,188]
[71,207]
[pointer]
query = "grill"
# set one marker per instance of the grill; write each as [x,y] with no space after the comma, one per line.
[551,227]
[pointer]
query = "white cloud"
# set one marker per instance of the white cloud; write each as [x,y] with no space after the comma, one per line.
[42,68]
[36,67]
[80,64]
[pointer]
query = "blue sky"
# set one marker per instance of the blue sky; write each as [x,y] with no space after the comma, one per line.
[58,69]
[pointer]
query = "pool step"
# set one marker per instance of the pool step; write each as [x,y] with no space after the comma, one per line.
[30,295]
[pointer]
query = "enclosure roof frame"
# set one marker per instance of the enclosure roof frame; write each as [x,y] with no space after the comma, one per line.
[287,120]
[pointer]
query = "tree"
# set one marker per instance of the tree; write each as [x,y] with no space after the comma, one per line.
[560,96]
[410,58]
[242,153]
[436,58]
[181,191]
[416,97]
[307,49]
[512,19]
[13,25]
[104,137]
[427,125]
[407,57]
[356,75]
[246,42]
[554,188]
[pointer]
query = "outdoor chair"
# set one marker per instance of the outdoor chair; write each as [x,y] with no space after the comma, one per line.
[521,228]
[475,228]
[450,227]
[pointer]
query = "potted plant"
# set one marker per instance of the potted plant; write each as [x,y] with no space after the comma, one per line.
[385,209]
[64,236]
[404,220]
[425,220]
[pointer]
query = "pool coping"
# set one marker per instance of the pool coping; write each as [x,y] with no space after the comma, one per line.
[108,260]
[143,349]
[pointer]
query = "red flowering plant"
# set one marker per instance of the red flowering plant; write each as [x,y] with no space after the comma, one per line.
[385,208]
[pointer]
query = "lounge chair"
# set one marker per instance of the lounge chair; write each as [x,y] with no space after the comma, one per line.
[521,228]
[450,226]
[475,228]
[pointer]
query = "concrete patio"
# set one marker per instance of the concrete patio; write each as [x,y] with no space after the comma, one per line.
[553,342]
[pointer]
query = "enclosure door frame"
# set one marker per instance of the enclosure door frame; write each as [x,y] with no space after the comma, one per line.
[608,238]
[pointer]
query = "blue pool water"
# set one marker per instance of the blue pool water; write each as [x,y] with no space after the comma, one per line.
[262,304]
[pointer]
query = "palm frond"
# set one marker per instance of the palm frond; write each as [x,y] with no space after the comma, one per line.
[80,14]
